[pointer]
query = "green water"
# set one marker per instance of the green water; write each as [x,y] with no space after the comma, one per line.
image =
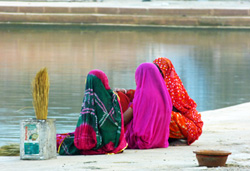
[213,65]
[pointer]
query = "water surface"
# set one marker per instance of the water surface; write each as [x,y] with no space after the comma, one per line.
[213,65]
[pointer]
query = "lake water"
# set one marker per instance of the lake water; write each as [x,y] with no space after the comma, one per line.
[214,66]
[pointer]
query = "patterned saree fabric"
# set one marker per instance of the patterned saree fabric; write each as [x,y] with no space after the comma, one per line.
[100,128]
[186,123]
[126,99]
[152,108]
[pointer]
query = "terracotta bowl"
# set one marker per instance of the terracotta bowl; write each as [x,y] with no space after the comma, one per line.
[212,158]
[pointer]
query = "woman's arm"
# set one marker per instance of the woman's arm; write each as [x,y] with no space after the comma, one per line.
[128,115]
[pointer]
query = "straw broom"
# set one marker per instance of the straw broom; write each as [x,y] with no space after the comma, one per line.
[41,94]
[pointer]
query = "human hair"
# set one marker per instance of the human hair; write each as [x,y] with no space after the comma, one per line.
[159,70]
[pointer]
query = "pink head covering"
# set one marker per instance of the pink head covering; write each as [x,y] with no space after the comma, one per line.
[102,76]
[152,108]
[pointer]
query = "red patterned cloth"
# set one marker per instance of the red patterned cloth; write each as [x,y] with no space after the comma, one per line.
[126,99]
[186,123]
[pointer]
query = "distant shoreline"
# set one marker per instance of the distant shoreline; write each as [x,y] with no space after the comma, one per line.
[177,14]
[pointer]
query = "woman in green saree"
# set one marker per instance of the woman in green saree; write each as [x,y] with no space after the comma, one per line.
[100,128]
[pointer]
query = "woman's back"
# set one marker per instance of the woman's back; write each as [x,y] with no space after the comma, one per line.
[152,107]
[186,122]
[100,128]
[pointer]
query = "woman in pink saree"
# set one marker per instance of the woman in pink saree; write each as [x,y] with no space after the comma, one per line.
[152,106]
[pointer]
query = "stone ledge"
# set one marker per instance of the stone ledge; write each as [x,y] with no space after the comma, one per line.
[125,19]
[128,11]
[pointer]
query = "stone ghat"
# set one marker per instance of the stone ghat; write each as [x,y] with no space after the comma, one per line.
[134,16]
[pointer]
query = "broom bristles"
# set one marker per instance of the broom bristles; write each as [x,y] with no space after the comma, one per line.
[10,150]
[41,94]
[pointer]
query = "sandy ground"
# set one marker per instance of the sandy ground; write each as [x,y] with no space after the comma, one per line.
[224,129]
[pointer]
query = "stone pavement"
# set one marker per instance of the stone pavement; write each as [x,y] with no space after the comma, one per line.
[224,129]
[202,14]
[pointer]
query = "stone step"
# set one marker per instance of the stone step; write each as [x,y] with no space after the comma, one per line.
[143,20]
[126,11]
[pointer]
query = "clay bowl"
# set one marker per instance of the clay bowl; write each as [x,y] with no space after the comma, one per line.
[212,158]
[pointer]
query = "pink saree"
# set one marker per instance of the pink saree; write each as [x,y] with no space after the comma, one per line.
[152,108]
